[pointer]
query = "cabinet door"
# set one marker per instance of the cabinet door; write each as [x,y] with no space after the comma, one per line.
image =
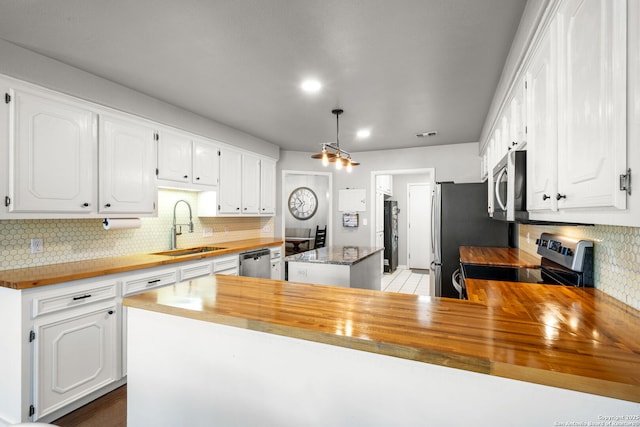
[542,161]
[592,103]
[230,181]
[74,357]
[174,157]
[127,167]
[53,155]
[206,163]
[250,184]
[267,186]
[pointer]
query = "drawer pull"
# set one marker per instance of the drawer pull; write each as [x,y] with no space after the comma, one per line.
[82,297]
[153,282]
[110,312]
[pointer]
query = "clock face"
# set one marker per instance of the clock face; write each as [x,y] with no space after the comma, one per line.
[303,203]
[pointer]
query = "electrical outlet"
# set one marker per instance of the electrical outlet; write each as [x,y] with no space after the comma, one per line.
[36,246]
[207,232]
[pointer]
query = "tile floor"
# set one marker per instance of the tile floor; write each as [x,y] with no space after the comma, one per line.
[406,281]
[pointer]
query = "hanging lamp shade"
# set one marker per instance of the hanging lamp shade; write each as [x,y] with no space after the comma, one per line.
[331,151]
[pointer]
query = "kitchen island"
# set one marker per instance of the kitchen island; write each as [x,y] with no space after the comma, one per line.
[346,266]
[243,351]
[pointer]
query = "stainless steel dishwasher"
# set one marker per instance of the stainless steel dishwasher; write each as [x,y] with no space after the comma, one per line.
[256,263]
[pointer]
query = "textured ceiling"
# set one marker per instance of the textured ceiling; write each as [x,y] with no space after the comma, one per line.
[397,67]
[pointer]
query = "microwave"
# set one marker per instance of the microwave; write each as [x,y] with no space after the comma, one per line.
[510,189]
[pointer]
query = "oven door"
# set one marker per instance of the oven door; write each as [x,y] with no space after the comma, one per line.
[500,190]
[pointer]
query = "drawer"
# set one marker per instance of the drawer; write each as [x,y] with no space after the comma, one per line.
[195,270]
[229,271]
[225,263]
[151,280]
[72,297]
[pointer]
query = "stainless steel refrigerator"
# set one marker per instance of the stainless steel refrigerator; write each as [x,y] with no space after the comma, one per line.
[391,212]
[459,218]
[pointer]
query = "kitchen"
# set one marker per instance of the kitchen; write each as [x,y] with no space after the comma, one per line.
[74,239]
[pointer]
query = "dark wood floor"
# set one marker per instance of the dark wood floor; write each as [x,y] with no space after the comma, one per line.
[108,411]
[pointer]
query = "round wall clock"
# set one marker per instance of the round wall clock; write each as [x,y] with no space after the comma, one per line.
[303,203]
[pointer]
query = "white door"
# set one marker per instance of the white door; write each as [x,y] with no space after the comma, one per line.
[250,184]
[74,357]
[206,163]
[174,157]
[592,103]
[267,186]
[419,226]
[127,167]
[53,155]
[230,181]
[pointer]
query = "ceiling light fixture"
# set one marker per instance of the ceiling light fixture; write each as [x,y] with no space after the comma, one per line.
[311,86]
[331,151]
[363,133]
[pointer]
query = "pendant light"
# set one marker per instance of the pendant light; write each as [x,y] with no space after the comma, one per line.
[331,151]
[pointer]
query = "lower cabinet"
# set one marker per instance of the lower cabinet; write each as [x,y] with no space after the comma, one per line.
[74,357]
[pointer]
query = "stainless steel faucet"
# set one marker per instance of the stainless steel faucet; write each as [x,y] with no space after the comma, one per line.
[174,228]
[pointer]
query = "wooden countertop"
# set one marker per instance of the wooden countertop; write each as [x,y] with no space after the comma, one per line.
[581,340]
[508,257]
[341,255]
[29,277]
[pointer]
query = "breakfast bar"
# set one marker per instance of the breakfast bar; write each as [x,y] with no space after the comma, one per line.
[301,354]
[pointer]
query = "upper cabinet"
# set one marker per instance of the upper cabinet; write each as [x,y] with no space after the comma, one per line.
[542,160]
[591,103]
[384,184]
[574,112]
[187,162]
[127,154]
[52,154]
[68,158]
[247,184]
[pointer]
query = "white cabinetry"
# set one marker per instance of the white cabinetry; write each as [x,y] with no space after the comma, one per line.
[187,162]
[591,103]
[75,342]
[384,183]
[52,154]
[230,197]
[267,187]
[127,167]
[247,184]
[542,162]
[250,184]
[226,264]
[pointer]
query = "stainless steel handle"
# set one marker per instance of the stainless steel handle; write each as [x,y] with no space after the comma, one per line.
[497,192]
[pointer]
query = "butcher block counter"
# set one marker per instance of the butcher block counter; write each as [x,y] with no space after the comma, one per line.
[29,277]
[576,339]
[506,257]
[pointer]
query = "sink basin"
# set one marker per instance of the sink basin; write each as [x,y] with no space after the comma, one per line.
[190,251]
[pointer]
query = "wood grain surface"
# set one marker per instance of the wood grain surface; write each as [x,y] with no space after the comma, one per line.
[583,341]
[29,277]
[508,257]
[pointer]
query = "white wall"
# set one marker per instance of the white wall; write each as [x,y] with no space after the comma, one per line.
[457,162]
[38,69]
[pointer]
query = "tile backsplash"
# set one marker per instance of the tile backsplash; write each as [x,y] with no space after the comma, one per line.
[616,256]
[79,239]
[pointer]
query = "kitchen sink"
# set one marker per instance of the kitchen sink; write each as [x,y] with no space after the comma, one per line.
[190,251]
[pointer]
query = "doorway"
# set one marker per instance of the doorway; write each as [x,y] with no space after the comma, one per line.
[316,185]
[401,178]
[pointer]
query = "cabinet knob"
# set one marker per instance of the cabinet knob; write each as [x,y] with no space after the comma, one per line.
[197,178]
[108,205]
[237,209]
[561,196]
[545,197]
[85,205]
[110,312]
[186,176]
[245,209]
[514,143]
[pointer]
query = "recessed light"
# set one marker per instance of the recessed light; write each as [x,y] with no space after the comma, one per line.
[363,133]
[311,86]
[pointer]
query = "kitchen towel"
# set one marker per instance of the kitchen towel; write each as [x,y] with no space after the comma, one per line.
[118,223]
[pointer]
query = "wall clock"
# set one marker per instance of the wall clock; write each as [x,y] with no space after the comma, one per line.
[303,203]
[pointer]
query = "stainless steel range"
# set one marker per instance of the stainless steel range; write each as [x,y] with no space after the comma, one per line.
[565,261]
